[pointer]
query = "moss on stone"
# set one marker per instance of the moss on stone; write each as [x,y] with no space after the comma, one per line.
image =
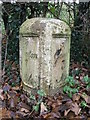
[28,27]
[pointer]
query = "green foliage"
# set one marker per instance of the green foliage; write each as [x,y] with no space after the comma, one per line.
[76,72]
[71,81]
[88,86]
[69,90]
[32,97]
[73,86]
[37,99]
[86,79]
[36,107]
[70,87]
[41,93]
[51,7]
[13,84]
[83,104]
[2,28]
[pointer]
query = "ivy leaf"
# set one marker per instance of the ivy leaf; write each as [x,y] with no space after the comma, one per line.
[86,79]
[70,95]
[67,89]
[88,86]
[41,93]
[74,90]
[36,107]
[52,9]
[83,104]
[32,97]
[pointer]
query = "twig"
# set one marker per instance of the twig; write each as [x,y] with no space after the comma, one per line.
[58,17]
[5,55]
[31,112]
[5,11]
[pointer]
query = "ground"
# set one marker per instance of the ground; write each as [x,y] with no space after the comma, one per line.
[72,103]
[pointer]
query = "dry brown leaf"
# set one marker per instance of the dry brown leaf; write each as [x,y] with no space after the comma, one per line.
[55,115]
[72,107]
[49,103]
[75,108]
[43,108]
[51,99]
[46,116]
[59,102]
[21,114]
[1,95]
[54,105]
[66,112]
[23,105]
[5,113]
[66,99]
[16,88]
[63,107]
[14,64]
[86,98]
[12,114]
[8,96]
[51,115]
[88,118]
[71,115]
[12,93]
[24,110]
[0,112]
[56,109]
[12,104]
[6,87]
[75,97]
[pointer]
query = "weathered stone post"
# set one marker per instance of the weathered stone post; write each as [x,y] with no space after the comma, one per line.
[44,54]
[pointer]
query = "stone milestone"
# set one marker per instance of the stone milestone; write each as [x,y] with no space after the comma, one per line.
[44,54]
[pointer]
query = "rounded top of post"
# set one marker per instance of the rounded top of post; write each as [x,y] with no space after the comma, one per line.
[35,26]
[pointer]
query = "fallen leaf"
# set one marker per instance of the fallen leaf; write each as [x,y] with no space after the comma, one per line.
[12,114]
[51,115]
[56,109]
[63,107]
[14,64]
[66,112]
[70,114]
[1,94]
[75,108]
[6,87]
[0,112]
[76,97]
[21,114]
[16,88]
[23,97]
[12,104]
[55,115]
[59,102]
[12,93]
[24,110]
[54,105]
[5,113]
[50,99]
[65,99]
[49,103]
[86,98]
[8,96]
[43,108]
[23,105]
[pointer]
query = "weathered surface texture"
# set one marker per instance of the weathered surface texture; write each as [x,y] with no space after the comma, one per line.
[44,54]
[0,59]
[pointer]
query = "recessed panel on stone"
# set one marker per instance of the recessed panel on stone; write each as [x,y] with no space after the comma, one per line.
[44,54]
